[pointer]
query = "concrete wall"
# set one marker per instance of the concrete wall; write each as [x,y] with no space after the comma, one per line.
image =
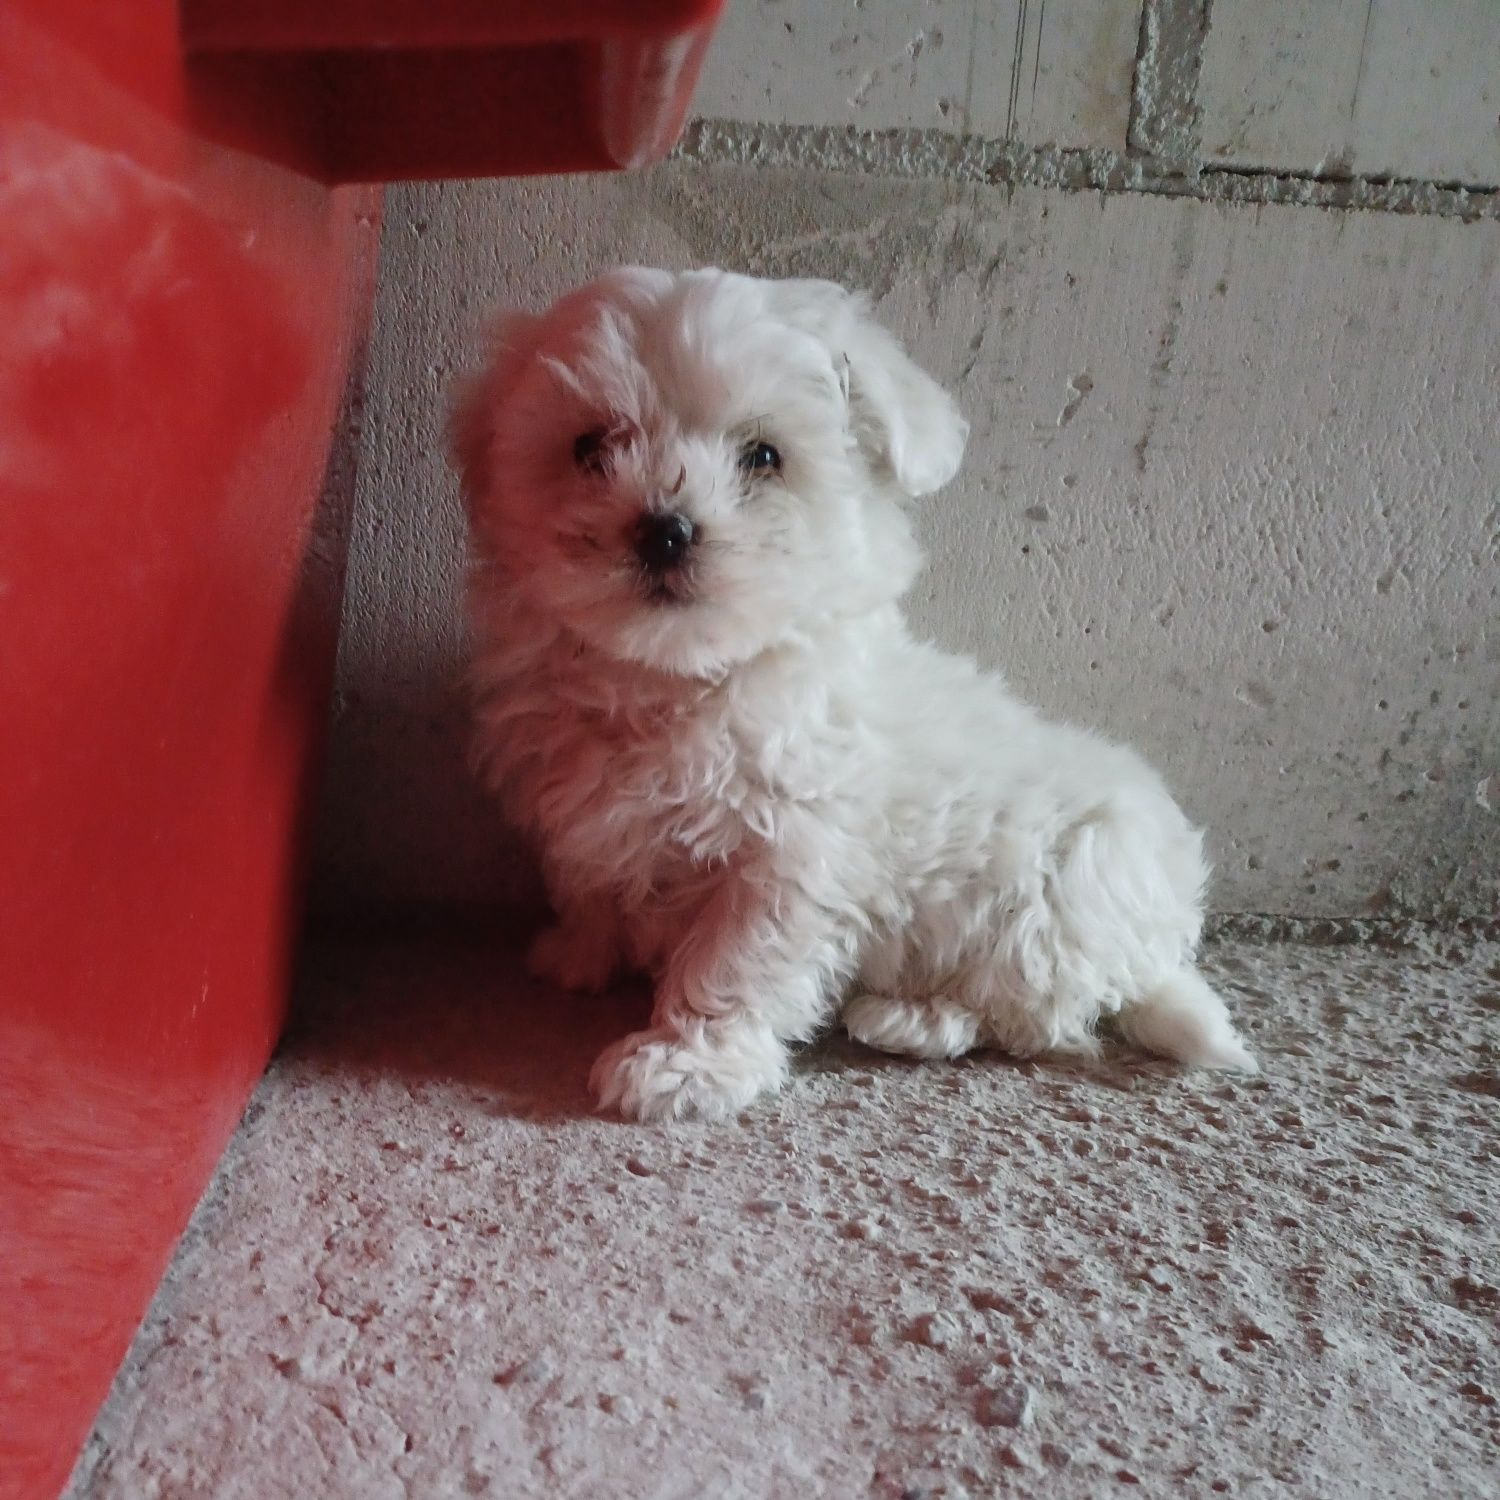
[1230,342]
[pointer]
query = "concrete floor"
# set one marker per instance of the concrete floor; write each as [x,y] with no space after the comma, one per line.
[426,1271]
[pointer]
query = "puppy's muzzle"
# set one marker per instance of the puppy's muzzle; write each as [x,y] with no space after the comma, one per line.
[663,541]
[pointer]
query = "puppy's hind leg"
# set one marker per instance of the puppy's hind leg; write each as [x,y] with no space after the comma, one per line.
[914,1028]
[583,950]
[1181,1016]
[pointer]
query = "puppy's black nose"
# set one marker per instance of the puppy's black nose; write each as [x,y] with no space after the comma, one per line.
[662,541]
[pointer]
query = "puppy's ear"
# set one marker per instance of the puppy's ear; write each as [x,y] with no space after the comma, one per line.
[509,343]
[902,416]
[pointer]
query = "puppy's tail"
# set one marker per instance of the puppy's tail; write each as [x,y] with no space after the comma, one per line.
[1181,1016]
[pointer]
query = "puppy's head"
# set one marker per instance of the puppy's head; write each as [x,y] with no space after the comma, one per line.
[684,470]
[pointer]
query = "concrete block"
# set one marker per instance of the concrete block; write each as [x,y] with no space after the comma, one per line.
[1003,69]
[1409,88]
[1231,496]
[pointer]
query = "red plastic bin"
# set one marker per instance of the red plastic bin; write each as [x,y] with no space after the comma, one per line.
[183,299]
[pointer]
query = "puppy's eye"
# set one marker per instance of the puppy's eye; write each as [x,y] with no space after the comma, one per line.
[590,450]
[759,458]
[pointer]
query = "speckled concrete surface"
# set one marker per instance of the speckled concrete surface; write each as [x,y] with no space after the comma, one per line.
[425,1271]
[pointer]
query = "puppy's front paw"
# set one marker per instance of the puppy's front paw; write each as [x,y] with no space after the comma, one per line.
[573,958]
[660,1075]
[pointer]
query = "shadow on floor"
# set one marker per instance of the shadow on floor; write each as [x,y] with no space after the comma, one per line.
[456,1011]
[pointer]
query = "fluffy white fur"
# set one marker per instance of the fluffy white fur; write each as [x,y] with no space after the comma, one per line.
[749,780]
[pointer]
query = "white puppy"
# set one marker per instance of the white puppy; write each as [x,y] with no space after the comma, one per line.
[697,693]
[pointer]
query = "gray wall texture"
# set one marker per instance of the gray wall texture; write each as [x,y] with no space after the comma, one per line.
[1218,293]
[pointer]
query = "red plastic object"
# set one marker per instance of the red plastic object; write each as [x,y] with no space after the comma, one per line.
[182,309]
[178,323]
[365,90]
